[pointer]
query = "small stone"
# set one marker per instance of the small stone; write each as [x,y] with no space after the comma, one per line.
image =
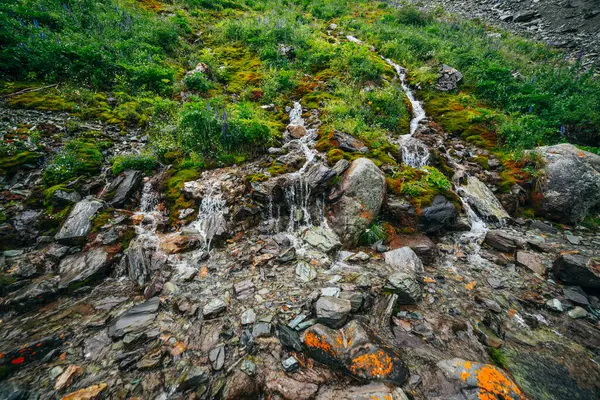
[192,377]
[332,311]
[330,291]
[248,317]
[67,377]
[577,313]
[574,240]
[248,367]
[305,271]
[262,329]
[214,307]
[296,321]
[406,286]
[289,338]
[217,358]
[55,372]
[543,227]
[555,305]
[355,298]
[576,295]
[244,289]
[359,257]
[290,364]
[531,261]
[91,392]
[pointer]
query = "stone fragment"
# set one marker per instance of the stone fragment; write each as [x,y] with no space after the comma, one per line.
[554,305]
[322,239]
[406,286]
[213,308]
[575,295]
[356,351]
[531,261]
[448,79]
[372,391]
[240,386]
[305,271]
[296,131]
[579,270]
[248,317]
[577,313]
[356,300]
[79,223]
[289,338]
[123,187]
[89,393]
[64,198]
[500,241]
[67,377]
[217,358]
[134,320]
[262,329]
[244,289]
[484,381]
[290,364]
[403,259]
[82,267]
[332,311]
[543,227]
[348,143]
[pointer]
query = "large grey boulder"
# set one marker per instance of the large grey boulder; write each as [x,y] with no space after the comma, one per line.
[570,183]
[362,192]
[123,187]
[82,267]
[79,223]
[576,269]
[403,259]
[357,351]
[439,216]
[483,202]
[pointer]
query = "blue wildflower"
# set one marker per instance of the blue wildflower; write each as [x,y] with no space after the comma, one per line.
[35,23]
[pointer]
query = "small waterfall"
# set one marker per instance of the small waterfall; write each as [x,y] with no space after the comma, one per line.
[148,215]
[475,236]
[414,152]
[297,196]
[211,220]
[417,106]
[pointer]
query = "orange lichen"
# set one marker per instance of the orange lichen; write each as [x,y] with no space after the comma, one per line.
[470,285]
[18,361]
[315,341]
[494,384]
[373,364]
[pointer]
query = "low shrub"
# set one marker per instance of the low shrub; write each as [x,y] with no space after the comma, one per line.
[138,162]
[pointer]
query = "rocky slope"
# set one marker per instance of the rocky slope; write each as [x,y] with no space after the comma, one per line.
[260,288]
[571,25]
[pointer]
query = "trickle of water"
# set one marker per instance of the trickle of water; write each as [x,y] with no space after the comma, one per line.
[475,236]
[211,216]
[417,106]
[297,195]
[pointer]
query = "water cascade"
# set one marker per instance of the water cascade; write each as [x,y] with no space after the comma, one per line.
[211,220]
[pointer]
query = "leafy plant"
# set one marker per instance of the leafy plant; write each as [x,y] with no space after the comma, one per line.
[138,162]
[197,82]
[77,158]
[373,234]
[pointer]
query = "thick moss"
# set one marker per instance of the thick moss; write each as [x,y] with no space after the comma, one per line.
[172,186]
[10,164]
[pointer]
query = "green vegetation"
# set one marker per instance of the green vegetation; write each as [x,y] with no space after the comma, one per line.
[420,186]
[140,162]
[373,234]
[78,158]
[104,44]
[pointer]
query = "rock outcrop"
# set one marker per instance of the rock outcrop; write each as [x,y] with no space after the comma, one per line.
[569,185]
[78,224]
[362,192]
